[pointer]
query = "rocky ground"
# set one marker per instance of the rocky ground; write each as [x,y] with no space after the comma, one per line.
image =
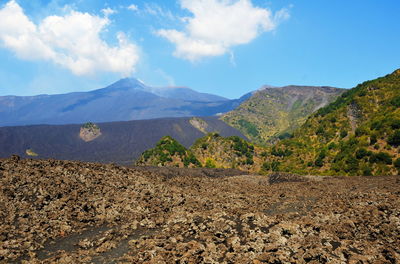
[71,212]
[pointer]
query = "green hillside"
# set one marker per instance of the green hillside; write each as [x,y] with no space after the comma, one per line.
[358,134]
[211,151]
[215,151]
[274,113]
[170,153]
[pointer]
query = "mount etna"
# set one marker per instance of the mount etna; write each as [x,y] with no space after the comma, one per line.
[126,99]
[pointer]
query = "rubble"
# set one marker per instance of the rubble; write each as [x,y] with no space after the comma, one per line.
[71,212]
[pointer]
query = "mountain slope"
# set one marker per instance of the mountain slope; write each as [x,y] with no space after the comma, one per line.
[118,142]
[170,153]
[358,134]
[271,113]
[210,151]
[127,99]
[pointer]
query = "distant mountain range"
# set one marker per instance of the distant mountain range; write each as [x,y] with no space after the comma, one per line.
[118,142]
[127,99]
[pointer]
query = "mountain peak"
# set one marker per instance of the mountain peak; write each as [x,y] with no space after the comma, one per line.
[127,83]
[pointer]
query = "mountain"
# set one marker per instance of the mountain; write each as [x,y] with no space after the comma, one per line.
[118,142]
[358,134]
[274,112]
[127,99]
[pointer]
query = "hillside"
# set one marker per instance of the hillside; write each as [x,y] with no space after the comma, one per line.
[127,99]
[169,153]
[118,142]
[273,113]
[210,151]
[358,134]
[72,212]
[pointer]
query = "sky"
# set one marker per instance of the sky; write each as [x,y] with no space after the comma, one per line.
[224,47]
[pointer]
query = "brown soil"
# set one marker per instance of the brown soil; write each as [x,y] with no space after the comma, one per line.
[70,212]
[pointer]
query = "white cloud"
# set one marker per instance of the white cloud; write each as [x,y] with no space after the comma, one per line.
[218,25]
[108,11]
[133,7]
[156,10]
[72,41]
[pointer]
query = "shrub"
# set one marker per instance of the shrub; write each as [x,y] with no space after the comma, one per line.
[360,131]
[376,125]
[273,166]
[394,139]
[191,159]
[396,101]
[332,145]
[250,128]
[367,171]
[285,136]
[395,124]
[361,153]
[280,152]
[343,134]
[397,163]
[320,131]
[351,165]
[373,139]
[210,163]
[381,157]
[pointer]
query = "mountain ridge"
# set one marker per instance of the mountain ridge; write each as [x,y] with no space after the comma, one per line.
[126,99]
[274,112]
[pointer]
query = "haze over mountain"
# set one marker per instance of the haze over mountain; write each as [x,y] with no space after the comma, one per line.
[127,99]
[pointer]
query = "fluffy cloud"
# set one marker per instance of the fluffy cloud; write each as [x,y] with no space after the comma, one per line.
[72,41]
[218,25]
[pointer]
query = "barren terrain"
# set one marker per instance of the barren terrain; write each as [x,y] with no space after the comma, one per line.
[71,212]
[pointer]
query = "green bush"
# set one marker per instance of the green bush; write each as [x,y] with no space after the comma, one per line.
[373,139]
[381,157]
[332,145]
[191,159]
[271,166]
[397,163]
[210,163]
[360,131]
[394,139]
[281,152]
[361,153]
[367,171]
[377,125]
[395,124]
[250,128]
[351,165]
[396,101]
[343,134]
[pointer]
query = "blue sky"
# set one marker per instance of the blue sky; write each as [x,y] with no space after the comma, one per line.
[225,47]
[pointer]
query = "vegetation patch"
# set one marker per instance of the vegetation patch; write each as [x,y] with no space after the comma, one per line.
[89,132]
[31,153]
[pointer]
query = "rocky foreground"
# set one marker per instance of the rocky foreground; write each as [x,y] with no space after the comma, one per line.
[70,212]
